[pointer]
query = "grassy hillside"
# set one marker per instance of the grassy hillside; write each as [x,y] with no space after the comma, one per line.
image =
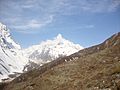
[94,68]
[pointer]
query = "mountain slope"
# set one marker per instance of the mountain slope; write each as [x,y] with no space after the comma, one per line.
[94,68]
[11,60]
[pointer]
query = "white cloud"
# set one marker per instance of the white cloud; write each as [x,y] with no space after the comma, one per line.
[87,26]
[115,4]
[25,14]
[27,6]
[33,24]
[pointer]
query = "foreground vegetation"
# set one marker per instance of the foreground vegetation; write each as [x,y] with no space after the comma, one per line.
[95,68]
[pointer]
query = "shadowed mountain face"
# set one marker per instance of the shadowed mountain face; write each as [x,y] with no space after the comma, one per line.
[94,68]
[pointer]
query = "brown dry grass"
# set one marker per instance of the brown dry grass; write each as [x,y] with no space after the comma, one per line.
[98,70]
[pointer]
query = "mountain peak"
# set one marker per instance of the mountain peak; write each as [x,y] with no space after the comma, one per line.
[6,39]
[59,37]
[3,29]
[51,49]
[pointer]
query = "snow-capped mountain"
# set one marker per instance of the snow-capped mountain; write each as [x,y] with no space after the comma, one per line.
[11,58]
[51,49]
[15,60]
[6,40]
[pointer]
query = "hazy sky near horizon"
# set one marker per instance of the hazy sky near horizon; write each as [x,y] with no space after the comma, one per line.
[86,22]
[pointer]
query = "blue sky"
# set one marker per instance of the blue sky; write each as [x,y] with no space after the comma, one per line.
[86,22]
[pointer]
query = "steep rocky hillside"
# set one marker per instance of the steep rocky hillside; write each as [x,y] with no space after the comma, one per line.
[94,68]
